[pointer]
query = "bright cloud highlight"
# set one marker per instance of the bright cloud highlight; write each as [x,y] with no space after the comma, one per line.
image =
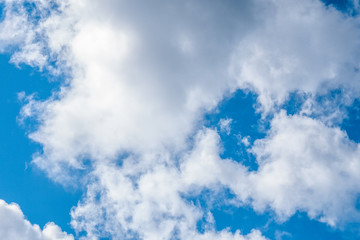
[13,225]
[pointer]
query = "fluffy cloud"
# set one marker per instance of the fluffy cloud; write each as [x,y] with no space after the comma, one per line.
[140,76]
[316,175]
[306,166]
[13,225]
[34,33]
[149,198]
[134,88]
[302,46]
[131,89]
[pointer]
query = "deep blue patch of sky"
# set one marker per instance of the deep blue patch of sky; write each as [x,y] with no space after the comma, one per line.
[345,6]
[40,199]
[294,103]
[298,227]
[2,15]
[245,122]
[352,123]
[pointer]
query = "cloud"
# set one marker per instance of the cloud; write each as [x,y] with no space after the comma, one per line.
[133,88]
[150,197]
[225,125]
[13,225]
[304,47]
[139,77]
[36,35]
[303,166]
[306,166]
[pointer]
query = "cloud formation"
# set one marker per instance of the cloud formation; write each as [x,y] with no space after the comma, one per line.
[304,47]
[134,88]
[306,166]
[13,225]
[139,77]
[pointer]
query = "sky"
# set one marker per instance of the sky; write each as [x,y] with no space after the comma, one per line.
[193,119]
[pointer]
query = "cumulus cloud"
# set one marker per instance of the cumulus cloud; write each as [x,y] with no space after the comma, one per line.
[306,166]
[303,166]
[13,225]
[149,197]
[304,47]
[134,88]
[139,78]
[34,32]
[316,175]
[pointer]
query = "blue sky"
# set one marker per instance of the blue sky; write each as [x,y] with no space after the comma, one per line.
[179,120]
[38,196]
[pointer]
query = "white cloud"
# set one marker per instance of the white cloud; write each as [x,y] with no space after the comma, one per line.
[203,167]
[245,141]
[132,88]
[140,76]
[302,46]
[14,226]
[148,198]
[225,125]
[306,166]
[35,42]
